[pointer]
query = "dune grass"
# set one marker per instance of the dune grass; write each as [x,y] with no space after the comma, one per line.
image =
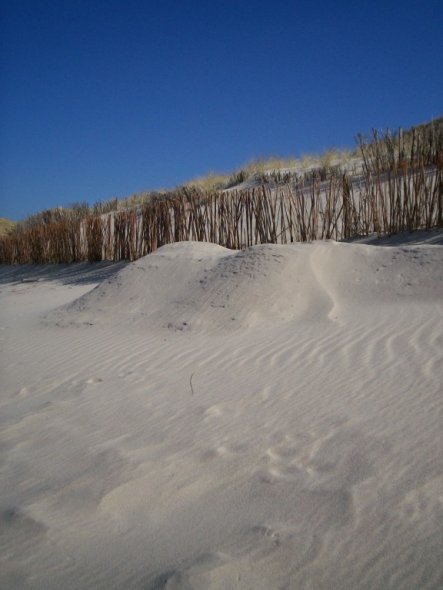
[6,226]
[274,169]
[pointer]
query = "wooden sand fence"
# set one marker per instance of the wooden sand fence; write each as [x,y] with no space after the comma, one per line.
[405,197]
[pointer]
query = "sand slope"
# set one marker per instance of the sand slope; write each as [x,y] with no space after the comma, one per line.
[194,286]
[205,418]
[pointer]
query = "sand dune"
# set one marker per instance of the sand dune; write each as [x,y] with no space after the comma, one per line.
[194,286]
[205,418]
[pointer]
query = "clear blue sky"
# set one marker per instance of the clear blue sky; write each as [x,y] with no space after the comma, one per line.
[105,98]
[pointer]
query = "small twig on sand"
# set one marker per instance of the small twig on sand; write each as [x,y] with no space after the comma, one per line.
[190,383]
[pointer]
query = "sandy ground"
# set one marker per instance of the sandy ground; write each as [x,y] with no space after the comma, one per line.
[204,418]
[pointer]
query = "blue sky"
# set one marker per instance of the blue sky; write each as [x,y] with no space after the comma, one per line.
[107,98]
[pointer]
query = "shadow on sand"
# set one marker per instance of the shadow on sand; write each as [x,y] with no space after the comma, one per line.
[80,273]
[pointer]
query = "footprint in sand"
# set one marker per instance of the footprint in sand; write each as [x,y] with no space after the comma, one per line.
[338,459]
[318,475]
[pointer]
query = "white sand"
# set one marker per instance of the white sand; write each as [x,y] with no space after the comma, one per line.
[205,418]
